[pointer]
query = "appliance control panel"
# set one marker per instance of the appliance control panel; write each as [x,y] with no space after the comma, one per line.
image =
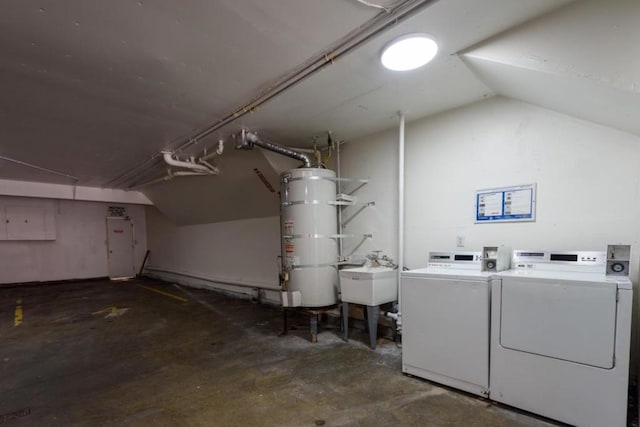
[460,259]
[558,260]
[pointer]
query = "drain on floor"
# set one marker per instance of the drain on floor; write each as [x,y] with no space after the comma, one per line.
[14,415]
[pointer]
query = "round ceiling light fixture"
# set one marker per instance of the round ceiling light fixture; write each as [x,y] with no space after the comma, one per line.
[409,52]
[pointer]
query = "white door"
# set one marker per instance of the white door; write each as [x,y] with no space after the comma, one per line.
[445,331]
[120,248]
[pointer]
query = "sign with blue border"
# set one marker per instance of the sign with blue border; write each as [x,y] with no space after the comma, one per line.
[508,204]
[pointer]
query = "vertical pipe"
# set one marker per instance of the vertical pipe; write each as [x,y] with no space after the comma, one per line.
[340,247]
[400,200]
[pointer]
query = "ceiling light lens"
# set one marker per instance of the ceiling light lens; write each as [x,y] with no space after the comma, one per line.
[409,52]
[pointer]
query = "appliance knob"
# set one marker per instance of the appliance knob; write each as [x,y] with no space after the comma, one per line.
[491,265]
[617,267]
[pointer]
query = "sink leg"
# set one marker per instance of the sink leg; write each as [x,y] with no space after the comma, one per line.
[365,316]
[372,321]
[345,321]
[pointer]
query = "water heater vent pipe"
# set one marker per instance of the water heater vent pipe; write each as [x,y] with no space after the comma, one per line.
[249,139]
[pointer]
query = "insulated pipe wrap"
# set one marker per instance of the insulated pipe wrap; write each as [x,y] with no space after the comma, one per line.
[249,139]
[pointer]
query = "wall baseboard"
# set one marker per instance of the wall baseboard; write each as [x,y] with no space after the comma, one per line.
[53,282]
[262,294]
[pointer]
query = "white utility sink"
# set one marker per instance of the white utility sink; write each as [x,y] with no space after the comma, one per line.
[369,285]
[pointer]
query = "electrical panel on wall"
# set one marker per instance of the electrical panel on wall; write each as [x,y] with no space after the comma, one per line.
[28,223]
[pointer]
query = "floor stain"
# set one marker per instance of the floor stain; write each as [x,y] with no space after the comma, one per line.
[213,360]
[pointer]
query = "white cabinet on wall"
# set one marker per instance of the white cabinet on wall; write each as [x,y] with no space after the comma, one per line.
[25,223]
[28,223]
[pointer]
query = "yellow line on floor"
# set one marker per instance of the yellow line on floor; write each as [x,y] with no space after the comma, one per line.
[17,318]
[166,294]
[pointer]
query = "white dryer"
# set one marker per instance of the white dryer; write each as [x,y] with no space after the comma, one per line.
[445,318]
[560,336]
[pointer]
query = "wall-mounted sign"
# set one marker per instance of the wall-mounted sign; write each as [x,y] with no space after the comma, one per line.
[117,211]
[506,204]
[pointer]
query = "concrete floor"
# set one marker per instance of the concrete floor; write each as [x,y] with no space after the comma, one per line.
[119,353]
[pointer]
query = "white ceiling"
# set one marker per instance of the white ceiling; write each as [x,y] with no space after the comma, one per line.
[92,88]
[582,60]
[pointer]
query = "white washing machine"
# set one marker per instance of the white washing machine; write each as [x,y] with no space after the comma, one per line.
[560,336]
[445,319]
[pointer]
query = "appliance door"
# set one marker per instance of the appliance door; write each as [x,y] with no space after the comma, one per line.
[445,330]
[561,319]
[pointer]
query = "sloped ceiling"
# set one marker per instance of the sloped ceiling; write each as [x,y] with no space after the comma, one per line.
[239,192]
[581,60]
[92,88]
[357,96]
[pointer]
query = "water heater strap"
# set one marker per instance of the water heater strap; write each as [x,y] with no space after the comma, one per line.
[311,202]
[303,266]
[312,178]
[325,178]
[316,236]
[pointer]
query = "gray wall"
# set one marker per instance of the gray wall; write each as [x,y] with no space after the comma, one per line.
[79,250]
[215,255]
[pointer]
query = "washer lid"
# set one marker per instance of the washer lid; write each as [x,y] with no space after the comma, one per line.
[562,319]
[446,273]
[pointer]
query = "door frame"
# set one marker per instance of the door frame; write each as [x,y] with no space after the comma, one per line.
[133,246]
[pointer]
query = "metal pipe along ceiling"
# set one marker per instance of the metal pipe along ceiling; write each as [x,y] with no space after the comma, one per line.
[375,26]
[40,168]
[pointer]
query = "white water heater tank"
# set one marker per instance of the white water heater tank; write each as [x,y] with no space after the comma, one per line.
[309,228]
